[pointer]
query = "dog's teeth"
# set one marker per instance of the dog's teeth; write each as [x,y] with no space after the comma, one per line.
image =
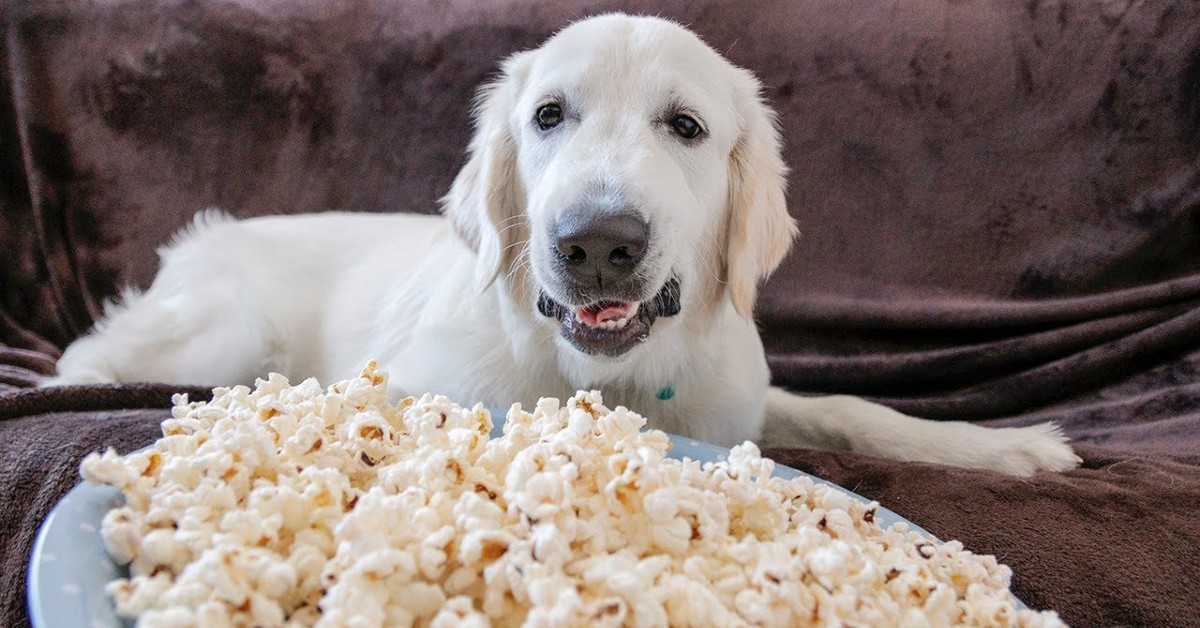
[622,323]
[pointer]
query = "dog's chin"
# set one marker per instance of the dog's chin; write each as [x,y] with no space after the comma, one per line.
[607,327]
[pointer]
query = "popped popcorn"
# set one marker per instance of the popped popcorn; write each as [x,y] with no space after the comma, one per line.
[301,506]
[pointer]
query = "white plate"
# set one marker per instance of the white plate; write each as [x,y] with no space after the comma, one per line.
[69,566]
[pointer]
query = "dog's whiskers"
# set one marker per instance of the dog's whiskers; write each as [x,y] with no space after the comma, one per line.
[704,257]
[501,233]
[519,264]
[516,244]
[511,219]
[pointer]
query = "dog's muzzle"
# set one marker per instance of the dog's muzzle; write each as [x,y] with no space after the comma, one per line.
[611,328]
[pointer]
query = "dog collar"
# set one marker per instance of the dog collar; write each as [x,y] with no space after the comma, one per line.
[666,392]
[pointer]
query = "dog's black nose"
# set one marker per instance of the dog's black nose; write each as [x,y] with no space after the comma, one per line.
[601,247]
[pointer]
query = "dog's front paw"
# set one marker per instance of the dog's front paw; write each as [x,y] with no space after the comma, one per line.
[1024,451]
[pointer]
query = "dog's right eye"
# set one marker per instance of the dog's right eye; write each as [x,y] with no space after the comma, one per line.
[549,116]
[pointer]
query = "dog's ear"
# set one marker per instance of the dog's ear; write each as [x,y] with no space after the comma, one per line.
[760,231]
[487,200]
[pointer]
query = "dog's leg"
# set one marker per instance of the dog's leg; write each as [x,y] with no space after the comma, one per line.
[853,424]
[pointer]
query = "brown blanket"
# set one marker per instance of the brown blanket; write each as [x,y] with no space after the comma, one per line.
[998,200]
[1000,207]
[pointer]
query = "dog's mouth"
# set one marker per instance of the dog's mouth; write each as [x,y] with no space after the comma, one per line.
[608,327]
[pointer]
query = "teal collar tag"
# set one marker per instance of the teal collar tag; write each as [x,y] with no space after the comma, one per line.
[666,392]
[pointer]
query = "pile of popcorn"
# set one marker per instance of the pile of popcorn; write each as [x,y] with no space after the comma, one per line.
[298,506]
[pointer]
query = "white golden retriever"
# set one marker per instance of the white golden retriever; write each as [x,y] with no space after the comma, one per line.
[623,198]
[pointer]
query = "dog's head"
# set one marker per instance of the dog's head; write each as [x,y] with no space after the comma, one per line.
[621,174]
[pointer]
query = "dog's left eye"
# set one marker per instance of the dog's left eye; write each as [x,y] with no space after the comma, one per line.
[549,115]
[685,126]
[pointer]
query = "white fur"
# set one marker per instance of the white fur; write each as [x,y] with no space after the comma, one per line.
[448,306]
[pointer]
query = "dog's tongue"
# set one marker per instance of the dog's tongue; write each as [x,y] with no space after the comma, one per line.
[593,315]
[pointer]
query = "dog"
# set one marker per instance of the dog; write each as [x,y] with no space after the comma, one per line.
[622,199]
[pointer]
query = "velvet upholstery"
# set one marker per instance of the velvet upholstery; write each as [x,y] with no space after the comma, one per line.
[999,205]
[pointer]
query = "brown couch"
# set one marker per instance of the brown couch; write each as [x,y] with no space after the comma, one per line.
[1000,206]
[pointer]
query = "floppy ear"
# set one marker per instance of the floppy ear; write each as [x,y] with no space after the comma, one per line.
[760,231]
[486,201]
